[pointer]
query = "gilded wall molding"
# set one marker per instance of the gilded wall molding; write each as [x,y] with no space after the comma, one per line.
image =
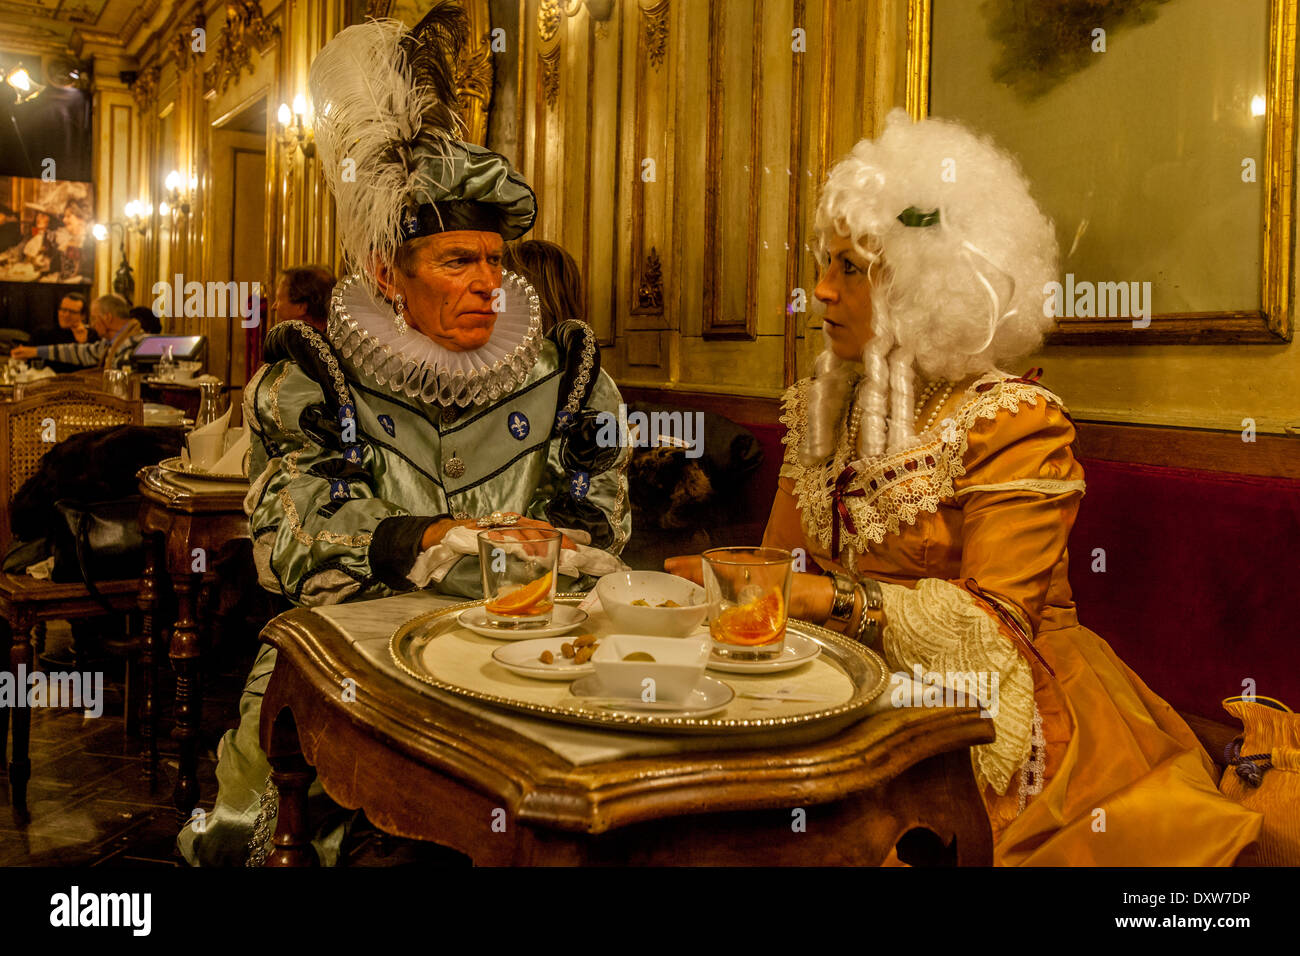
[716,324]
[245,30]
[647,269]
[548,20]
[656,32]
[550,71]
[650,293]
[145,87]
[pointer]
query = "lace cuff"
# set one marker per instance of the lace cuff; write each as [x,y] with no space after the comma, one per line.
[940,631]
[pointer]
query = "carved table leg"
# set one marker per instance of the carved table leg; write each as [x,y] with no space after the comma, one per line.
[292,775]
[20,765]
[148,603]
[940,795]
[185,657]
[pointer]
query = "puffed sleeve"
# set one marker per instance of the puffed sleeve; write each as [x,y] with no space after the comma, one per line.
[586,463]
[320,536]
[1019,496]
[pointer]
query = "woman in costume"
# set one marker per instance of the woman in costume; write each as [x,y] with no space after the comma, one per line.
[939,491]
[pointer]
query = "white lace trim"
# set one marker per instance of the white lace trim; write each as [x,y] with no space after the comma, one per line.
[940,629]
[411,364]
[899,486]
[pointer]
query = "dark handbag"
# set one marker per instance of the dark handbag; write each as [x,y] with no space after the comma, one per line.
[103,543]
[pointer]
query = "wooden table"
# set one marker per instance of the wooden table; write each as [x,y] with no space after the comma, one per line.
[176,519]
[426,770]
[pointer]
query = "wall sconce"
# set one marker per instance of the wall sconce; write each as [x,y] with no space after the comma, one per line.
[177,203]
[123,278]
[137,215]
[23,84]
[294,130]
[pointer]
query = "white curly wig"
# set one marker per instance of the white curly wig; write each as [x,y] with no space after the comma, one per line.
[954,298]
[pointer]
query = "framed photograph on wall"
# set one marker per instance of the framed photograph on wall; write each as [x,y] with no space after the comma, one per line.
[1159,136]
[45,231]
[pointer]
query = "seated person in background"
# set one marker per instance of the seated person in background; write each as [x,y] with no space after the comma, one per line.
[376,452]
[72,329]
[553,273]
[303,295]
[119,334]
[148,319]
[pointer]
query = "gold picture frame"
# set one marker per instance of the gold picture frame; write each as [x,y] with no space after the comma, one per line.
[1271,321]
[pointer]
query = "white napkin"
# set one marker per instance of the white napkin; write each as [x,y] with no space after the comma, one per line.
[434,563]
[29,375]
[211,429]
[232,462]
[213,426]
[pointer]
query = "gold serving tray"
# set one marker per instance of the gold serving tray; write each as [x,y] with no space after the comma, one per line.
[865,673]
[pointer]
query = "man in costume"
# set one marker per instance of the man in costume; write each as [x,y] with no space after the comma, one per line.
[434,404]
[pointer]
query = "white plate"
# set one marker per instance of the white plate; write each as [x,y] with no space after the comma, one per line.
[798,650]
[710,696]
[563,618]
[524,658]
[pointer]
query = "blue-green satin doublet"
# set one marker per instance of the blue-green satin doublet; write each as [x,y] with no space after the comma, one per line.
[322,507]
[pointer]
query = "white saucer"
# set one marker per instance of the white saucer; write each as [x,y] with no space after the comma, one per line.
[524,658]
[798,650]
[709,696]
[563,618]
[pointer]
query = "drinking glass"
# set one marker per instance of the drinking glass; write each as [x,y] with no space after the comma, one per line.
[117,381]
[519,567]
[748,592]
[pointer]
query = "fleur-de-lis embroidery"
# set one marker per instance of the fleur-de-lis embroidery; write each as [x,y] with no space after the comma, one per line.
[580,484]
[518,425]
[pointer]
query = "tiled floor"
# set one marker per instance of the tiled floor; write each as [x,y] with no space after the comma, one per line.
[93,804]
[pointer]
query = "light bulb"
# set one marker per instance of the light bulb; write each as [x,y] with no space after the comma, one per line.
[19,79]
[163,208]
[99,231]
[284,116]
[300,105]
[131,209]
[173,181]
[1257,104]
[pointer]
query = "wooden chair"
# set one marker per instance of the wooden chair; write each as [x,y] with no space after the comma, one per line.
[56,410]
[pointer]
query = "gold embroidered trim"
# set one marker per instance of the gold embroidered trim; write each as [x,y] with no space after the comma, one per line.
[584,370]
[361,540]
[1048,486]
[897,486]
[274,395]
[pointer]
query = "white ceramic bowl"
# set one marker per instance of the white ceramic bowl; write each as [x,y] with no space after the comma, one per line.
[617,591]
[677,667]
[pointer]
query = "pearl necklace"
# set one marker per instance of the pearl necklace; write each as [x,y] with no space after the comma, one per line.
[925,398]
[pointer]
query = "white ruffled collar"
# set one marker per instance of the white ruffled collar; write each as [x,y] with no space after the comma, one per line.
[363,330]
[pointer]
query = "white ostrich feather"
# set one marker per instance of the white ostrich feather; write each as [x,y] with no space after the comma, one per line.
[367,113]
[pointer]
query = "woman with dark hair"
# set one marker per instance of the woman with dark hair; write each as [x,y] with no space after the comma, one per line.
[554,275]
[148,320]
[303,294]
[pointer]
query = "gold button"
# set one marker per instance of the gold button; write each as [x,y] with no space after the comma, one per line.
[454,467]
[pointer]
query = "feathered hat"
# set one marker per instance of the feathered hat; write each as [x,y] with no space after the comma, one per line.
[388,133]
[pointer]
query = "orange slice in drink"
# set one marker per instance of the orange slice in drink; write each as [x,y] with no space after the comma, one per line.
[529,599]
[758,622]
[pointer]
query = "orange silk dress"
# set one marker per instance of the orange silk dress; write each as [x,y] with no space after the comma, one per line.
[1110,775]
